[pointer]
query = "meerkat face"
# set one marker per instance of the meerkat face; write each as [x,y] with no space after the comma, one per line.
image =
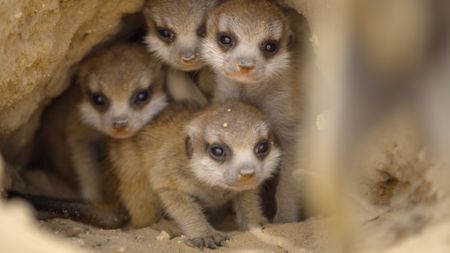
[247,41]
[175,30]
[232,147]
[122,91]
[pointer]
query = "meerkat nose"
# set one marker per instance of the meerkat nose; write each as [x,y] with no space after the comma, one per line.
[188,56]
[246,64]
[246,173]
[120,123]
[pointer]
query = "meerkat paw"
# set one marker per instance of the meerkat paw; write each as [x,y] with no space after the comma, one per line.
[256,224]
[252,223]
[212,241]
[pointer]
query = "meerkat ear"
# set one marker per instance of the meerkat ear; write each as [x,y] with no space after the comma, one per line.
[188,146]
[274,138]
[291,37]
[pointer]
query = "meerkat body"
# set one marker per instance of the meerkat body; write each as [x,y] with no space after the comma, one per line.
[117,91]
[175,30]
[247,47]
[131,159]
[196,161]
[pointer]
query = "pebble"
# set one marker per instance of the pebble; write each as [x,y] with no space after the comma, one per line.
[163,236]
[120,250]
[181,239]
[74,231]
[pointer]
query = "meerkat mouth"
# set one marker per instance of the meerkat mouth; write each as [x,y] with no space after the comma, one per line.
[242,185]
[185,66]
[122,134]
[190,63]
[247,77]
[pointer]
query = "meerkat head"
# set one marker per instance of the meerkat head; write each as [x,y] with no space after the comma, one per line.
[247,41]
[230,145]
[122,90]
[175,28]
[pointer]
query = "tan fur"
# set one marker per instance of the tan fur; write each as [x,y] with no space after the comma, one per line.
[73,129]
[167,164]
[268,84]
[185,19]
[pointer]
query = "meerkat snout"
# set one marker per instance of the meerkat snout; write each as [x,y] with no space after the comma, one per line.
[246,173]
[250,166]
[188,57]
[120,123]
[246,64]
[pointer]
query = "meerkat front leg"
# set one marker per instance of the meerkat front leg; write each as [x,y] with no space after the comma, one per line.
[142,203]
[189,216]
[247,206]
[287,196]
[134,190]
[86,164]
[183,89]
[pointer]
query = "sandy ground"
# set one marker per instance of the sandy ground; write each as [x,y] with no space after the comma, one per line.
[296,237]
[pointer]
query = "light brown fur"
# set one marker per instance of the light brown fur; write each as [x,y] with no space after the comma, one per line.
[245,71]
[73,128]
[167,165]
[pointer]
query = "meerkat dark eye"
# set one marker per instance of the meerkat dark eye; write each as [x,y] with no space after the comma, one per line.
[262,148]
[201,30]
[141,97]
[166,34]
[270,47]
[217,152]
[225,40]
[99,99]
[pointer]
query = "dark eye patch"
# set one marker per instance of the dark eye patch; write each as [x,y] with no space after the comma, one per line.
[141,97]
[218,152]
[226,40]
[99,101]
[269,47]
[262,149]
[201,30]
[165,34]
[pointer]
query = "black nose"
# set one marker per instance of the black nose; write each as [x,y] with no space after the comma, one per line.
[120,123]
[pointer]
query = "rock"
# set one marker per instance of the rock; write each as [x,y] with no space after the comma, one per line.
[163,236]
[74,231]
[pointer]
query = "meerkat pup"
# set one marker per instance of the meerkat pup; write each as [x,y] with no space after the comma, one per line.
[186,162]
[247,46]
[175,29]
[117,91]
